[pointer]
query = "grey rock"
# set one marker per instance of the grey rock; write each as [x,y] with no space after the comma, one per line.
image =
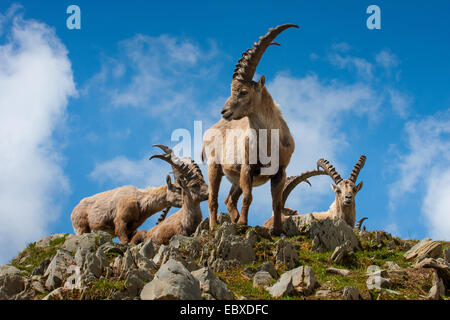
[298,224]
[203,226]
[135,281]
[11,284]
[223,217]
[160,256]
[440,265]
[351,293]
[426,248]
[251,236]
[39,270]
[323,293]
[188,244]
[390,265]
[342,272]
[438,288]
[57,269]
[57,294]
[38,286]
[172,281]
[377,282]
[282,287]
[89,241]
[331,233]
[148,249]
[447,255]
[95,263]
[285,253]
[262,279]
[341,252]
[80,256]
[128,260]
[45,242]
[299,280]
[270,268]
[210,284]
[8,270]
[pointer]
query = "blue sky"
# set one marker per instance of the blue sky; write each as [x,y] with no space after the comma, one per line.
[81,109]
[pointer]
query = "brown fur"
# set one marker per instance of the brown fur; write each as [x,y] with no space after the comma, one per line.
[122,210]
[183,222]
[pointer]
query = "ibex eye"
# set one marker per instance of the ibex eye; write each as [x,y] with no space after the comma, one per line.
[243,93]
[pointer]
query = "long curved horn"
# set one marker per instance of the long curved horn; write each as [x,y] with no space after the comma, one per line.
[293,181]
[246,66]
[163,215]
[329,169]
[181,167]
[360,222]
[357,168]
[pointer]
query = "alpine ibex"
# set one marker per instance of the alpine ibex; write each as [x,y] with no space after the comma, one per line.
[345,190]
[122,210]
[183,222]
[249,108]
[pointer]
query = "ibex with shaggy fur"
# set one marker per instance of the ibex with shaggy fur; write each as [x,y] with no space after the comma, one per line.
[345,190]
[122,210]
[186,220]
[249,108]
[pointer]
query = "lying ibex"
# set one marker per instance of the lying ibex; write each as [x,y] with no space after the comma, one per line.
[122,210]
[345,190]
[183,222]
[249,108]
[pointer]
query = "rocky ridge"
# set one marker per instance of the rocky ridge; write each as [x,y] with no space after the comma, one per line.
[313,260]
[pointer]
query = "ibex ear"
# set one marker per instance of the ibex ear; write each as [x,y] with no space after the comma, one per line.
[261,82]
[169,181]
[359,186]
[333,187]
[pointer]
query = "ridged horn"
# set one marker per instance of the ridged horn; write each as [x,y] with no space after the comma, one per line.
[246,66]
[357,168]
[329,169]
[292,182]
[360,222]
[163,215]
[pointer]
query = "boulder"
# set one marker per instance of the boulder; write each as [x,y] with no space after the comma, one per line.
[57,269]
[283,286]
[11,284]
[390,265]
[135,281]
[351,293]
[330,233]
[447,255]
[203,226]
[172,281]
[223,217]
[285,253]
[440,265]
[89,241]
[148,249]
[438,288]
[8,270]
[341,252]
[342,272]
[270,268]
[188,244]
[261,279]
[376,281]
[426,248]
[299,280]
[212,285]
[95,263]
[45,242]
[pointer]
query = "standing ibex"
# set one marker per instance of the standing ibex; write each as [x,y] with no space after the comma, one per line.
[122,210]
[345,190]
[249,108]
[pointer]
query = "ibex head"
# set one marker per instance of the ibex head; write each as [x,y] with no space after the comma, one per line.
[184,169]
[246,94]
[345,189]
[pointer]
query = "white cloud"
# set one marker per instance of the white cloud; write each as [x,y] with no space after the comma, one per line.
[400,102]
[387,59]
[363,68]
[154,73]
[424,168]
[35,84]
